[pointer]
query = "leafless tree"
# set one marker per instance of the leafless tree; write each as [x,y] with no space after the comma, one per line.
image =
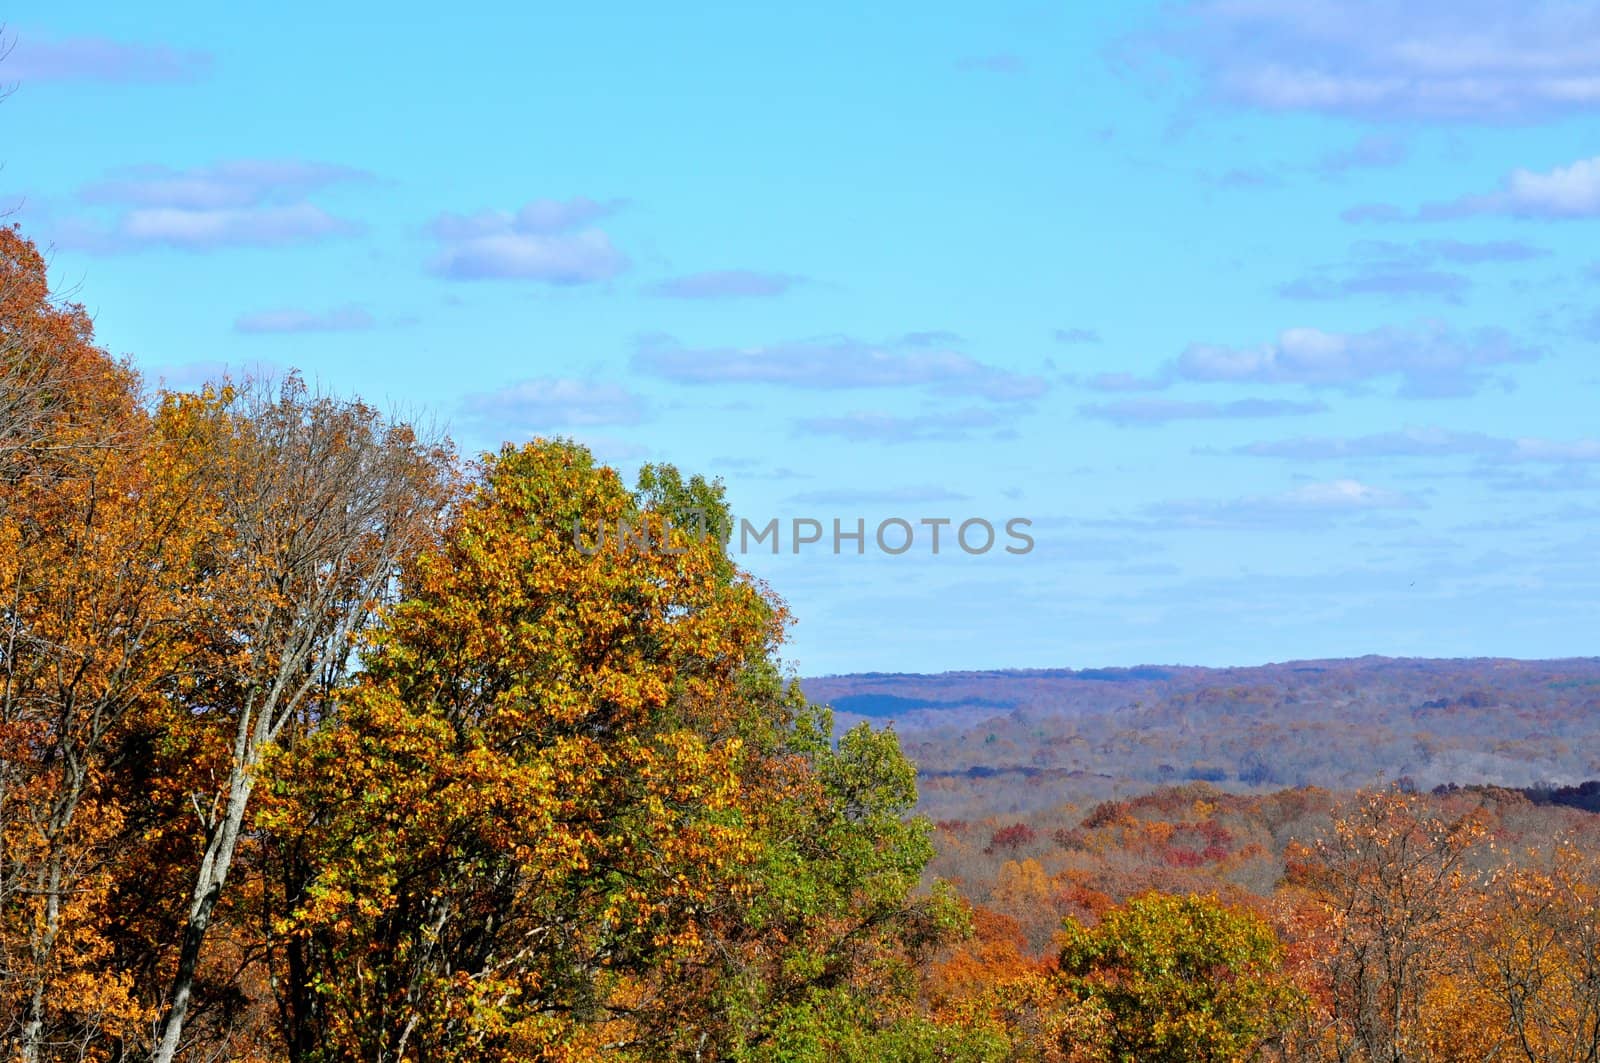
[323,500]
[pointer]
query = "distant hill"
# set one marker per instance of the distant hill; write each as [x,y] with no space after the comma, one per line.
[1009,740]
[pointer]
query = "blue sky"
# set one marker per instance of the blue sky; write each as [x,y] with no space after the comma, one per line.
[1279,320]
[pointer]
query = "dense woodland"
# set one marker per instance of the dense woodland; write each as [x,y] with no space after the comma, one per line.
[1027,740]
[321,742]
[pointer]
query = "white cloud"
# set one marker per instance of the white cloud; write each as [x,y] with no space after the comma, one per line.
[883,496]
[1343,494]
[1428,443]
[840,362]
[529,407]
[1162,411]
[250,202]
[1467,60]
[725,284]
[1431,362]
[870,427]
[575,258]
[206,230]
[1564,192]
[546,240]
[236,183]
[35,59]
[1528,449]
[290,319]
[1309,505]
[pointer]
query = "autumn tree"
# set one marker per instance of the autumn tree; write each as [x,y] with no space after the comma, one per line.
[320,501]
[830,926]
[102,530]
[1173,978]
[573,805]
[1536,957]
[49,368]
[532,794]
[834,924]
[1395,886]
[996,953]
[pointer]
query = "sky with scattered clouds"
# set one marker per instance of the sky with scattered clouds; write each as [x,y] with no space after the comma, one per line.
[1278,319]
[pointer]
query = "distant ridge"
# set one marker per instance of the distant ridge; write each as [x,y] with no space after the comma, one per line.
[1033,737]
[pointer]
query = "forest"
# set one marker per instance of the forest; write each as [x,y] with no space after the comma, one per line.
[1023,740]
[320,741]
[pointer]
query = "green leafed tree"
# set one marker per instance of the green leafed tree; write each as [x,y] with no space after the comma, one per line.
[573,809]
[1169,979]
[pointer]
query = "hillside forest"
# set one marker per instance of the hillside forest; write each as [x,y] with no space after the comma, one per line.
[320,741]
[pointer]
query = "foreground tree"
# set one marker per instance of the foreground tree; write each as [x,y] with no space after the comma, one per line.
[104,531]
[572,808]
[1175,979]
[320,501]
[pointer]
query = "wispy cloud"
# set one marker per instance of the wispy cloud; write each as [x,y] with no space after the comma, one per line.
[1371,151]
[1312,503]
[1477,61]
[838,362]
[191,376]
[884,496]
[1365,213]
[249,202]
[1432,362]
[1429,361]
[529,407]
[753,469]
[725,284]
[39,59]
[869,427]
[290,319]
[1529,449]
[1501,463]
[1568,476]
[540,216]
[206,230]
[547,240]
[1123,382]
[1243,177]
[1406,443]
[236,183]
[1397,284]
[1401,270]
[1469,253]
[1562,192]
[1162,411]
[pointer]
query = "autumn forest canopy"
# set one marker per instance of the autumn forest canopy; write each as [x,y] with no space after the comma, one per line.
[321,741]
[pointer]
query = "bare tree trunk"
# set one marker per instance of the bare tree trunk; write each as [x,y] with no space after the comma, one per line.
[327,501]
[221,844]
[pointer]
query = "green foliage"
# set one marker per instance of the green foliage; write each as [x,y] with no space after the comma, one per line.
[839,1027]
[1168,979]
[695,506]
[574,801]
[834,906]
